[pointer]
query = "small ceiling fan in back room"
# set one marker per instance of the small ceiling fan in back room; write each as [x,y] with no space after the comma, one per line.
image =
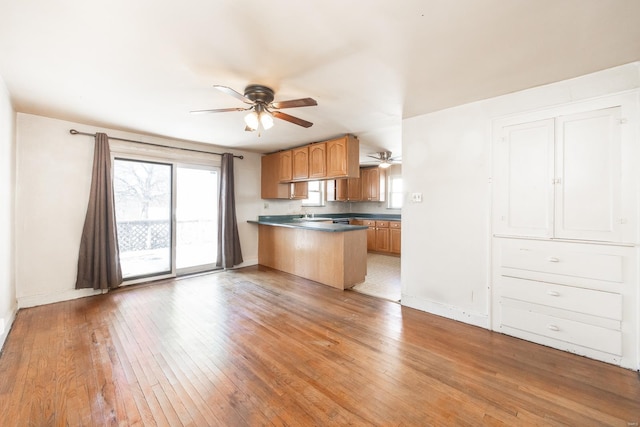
[384,159]
[261,107]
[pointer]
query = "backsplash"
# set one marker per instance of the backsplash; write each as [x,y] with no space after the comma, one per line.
[294,207]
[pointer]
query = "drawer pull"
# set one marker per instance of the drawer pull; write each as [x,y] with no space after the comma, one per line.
[553,293]
[553,259]
[553,328]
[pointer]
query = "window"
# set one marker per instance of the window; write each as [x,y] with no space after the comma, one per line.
[316,196]
[396,196]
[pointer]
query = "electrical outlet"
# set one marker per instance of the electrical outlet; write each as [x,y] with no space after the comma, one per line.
[266,205]
[416,197]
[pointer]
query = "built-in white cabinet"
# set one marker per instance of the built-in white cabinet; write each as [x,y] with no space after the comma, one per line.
[577,297]
[561,178]
[564,220]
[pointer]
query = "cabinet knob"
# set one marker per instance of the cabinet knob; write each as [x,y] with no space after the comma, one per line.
[553,328]
[553,259]
[553,293]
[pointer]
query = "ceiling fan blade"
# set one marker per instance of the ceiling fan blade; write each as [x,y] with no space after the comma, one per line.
[219,110]
[233,93]
[302,102]
[374,157]
[294,120]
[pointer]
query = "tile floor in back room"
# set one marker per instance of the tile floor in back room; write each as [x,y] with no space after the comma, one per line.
[383,277]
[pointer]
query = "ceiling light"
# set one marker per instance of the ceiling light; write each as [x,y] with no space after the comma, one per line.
[266,120]
[384,165]
[251,120]
[259,116]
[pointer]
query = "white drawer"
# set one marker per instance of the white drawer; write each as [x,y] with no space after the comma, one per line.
[588,301]
[593,337]
[564,261]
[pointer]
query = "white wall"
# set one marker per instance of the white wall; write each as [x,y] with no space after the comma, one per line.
[53,179]
[446,157]
[7,196]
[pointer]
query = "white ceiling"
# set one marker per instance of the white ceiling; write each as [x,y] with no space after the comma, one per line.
[142,65]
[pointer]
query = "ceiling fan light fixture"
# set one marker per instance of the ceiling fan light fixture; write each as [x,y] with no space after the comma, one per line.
[260,100]
[251,120]
[384,165]
[266,120]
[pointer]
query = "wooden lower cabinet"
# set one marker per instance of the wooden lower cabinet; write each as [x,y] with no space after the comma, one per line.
[336,259]
[382,236]
[395,237]
[371,234]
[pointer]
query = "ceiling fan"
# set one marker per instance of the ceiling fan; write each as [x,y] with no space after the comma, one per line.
[384,159]
[261,107]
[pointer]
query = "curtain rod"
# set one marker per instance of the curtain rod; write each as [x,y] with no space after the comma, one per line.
[75,132]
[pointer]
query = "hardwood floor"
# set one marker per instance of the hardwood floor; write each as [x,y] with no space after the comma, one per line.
[259,347]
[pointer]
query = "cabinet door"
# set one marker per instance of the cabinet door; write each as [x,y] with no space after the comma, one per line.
[342,190]
[337,157]
[300,163]
[317,160]
[382,239]
[367,179]
[286,166]
[395,237]
[588,178]
[371,234]
[299,190]
[524,174]
[373,184]
[272,188]
[354,189]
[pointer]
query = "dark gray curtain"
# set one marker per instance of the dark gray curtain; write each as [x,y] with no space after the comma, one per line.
[229,253]
[99,261]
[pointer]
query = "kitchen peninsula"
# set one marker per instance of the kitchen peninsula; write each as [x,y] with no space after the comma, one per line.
[332,254]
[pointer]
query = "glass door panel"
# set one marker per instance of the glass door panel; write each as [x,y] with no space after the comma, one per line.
[142,194]
[196,218]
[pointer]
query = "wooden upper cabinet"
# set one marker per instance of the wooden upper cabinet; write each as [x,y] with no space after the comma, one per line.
[286,165]
[348,190]
[300,163]
[299,190]
[342,156]
[373,184]
[354,191]
[342,190]
[318,160]
[337,158]
[272,188]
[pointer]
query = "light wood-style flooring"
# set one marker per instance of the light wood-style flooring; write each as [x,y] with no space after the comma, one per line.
[258,347]
[383,277]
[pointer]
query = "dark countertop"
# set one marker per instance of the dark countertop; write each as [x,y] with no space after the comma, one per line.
[387,217]
[315,222]
[308,225]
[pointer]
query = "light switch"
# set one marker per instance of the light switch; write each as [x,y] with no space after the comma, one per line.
[416,197]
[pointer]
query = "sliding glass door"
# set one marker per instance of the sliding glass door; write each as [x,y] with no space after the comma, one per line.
[166,216]
[142,192]
[196,218]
